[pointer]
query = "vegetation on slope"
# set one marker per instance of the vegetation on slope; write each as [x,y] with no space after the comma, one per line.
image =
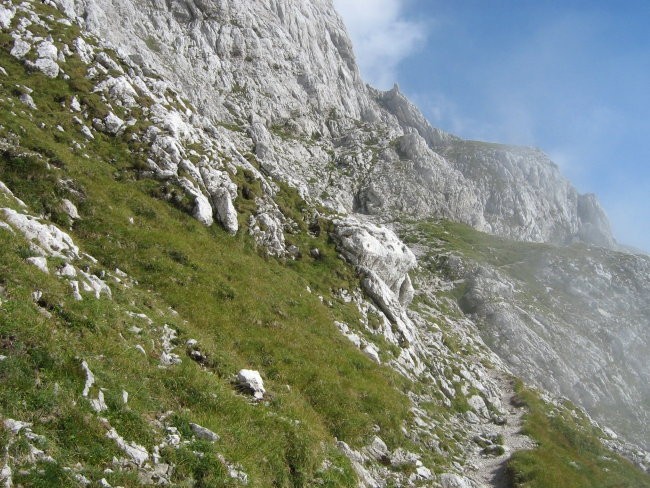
[569,452]
[245,310]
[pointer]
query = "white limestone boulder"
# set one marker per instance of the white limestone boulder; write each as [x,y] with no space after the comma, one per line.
[222,192]
[377,249]
[250,381]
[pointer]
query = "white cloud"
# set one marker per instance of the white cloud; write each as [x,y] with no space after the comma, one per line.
[381,35]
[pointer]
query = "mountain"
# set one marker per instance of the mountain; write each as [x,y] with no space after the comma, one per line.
[227,261]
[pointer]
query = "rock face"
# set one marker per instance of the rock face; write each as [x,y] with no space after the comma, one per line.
[524,197]
[285,71]
[584,334]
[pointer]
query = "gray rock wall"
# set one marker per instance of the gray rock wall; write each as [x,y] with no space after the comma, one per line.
[288,66]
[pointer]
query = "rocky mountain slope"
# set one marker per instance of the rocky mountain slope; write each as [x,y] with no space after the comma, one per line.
[284,71]
[299,342]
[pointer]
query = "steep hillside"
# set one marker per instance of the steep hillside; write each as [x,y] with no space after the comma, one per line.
[186,299]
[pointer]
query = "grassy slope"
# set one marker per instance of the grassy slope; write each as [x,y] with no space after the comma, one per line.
[245,311]
[570,454]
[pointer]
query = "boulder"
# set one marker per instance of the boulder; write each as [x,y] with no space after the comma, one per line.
[203,433]
[250,382]
[113,123]
[222,192]
[378,249]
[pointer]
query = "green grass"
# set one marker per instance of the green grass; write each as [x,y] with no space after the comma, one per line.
[569,452]
[246,310]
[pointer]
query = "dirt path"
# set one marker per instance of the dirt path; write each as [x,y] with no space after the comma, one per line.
[490,471]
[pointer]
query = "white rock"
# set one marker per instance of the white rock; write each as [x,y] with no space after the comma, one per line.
[371,351]
[69,209]
[51,240]
[99,405]
[379,250]
[140,316]
[35,455]
[354,339]
[377,450]
[4,189]
[40,263]
[424,473]
[28,100]
[138,454]
[6,16]
[477,404]
[15,426]
[81,479]
[222,191]
[90,379]
[119,89]
[85,51]
[448,480]
[203,210]
[113,123]
[20,48]
[610,433]
[76,294]
[251,382]
[67,271]
[169,359]
[203,433]
[6,476]
[47,66]
[74,104]
[47,50]
[95,285]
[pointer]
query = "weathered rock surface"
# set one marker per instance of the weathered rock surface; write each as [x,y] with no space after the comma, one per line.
[286,71]
[580,329]
[378,250]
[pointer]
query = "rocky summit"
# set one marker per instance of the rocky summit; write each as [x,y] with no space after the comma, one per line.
[227,261]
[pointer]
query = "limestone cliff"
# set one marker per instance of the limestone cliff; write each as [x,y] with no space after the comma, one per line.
[285,69]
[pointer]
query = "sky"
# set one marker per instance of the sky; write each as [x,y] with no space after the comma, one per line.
[570,77]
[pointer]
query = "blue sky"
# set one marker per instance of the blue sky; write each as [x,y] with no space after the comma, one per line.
[569,77]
